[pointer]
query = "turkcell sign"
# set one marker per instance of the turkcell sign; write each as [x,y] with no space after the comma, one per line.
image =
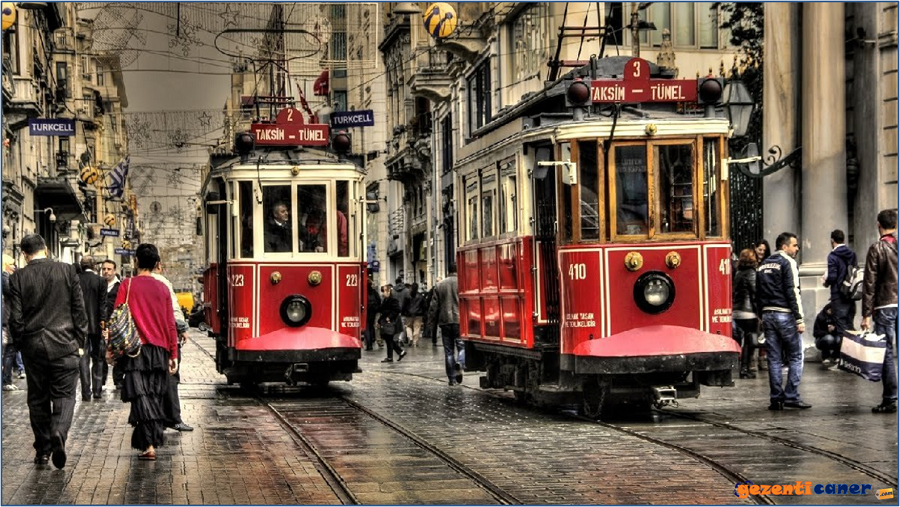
[45,127]
[362,118]
[110,232]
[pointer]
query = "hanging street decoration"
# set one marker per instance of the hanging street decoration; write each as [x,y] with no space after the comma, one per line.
[440,20]
[9,15]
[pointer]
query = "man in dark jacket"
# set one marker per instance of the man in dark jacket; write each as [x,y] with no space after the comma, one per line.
[839,261]
[48,324]
[390,321]
[444,312]
[108,272]
[400,292]
[93,287]
[778,297]
[879,302]
[828,332]
[373,304]
[9,350]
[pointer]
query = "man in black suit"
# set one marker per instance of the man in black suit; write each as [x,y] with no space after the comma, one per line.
[108,272]
[93,287]
[48,324]
[278,229]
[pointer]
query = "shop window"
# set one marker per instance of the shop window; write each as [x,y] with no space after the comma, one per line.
[631,189]
[673,169]
[528,48]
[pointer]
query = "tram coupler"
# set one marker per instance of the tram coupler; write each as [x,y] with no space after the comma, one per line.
[664,396]
[295,372]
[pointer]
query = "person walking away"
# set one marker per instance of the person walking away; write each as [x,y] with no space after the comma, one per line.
[48,324]
[373,303]
[401,294]
[108,272]
[171,401]
[745,315]
[841,258]
[763,251]
[390,315]
[9,350]
[416,310]
[147,375]
[828,333]
[778,297]
[93,288]
[444,312]
[879,302]
[427,324]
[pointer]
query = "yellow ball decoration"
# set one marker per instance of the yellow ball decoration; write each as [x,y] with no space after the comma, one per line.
[440,20]
[90,175]
[9,15]
[126,244]
[109,220]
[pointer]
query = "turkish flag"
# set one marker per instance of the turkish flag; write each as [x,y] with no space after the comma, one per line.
[320,86]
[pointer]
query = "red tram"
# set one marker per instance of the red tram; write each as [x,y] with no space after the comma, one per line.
[594,253]
[284,235]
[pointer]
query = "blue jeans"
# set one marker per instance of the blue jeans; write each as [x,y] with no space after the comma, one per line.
[886,324]
[451,340]
[782,335]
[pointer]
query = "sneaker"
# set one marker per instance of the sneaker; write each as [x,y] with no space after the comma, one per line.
[182,427]
[21,374]
[401,356]
[388,360]
[459,376]
[886,407]
[10,387]
[452,383]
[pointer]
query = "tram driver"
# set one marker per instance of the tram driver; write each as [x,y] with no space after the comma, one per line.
[278,229]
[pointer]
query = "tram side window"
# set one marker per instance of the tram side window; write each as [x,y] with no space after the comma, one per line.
[590,181]
[488,194]
[342,221]
[673,167]
[471,207]
[631,189]
[245,190]
[508,203]
[277,228]
[711,187]
[312,218]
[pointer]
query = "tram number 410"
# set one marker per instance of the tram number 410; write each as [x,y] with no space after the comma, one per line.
[725,266]
[577,271]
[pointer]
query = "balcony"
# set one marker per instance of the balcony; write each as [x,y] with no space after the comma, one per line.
[26,103]
[9,88]
[431,83]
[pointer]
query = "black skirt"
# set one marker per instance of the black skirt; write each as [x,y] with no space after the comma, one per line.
[146,382]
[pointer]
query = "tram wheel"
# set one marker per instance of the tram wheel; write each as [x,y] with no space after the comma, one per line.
[593,396]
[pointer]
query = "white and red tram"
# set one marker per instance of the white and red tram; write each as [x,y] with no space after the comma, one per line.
[594,252]
[285,287]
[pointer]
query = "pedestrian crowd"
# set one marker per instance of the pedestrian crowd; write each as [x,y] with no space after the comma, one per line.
[768,313]
[55,318]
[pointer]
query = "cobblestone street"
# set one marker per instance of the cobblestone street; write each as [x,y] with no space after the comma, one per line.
[244,451]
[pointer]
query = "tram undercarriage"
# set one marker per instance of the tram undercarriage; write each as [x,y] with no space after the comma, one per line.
[293,367]
[596,384]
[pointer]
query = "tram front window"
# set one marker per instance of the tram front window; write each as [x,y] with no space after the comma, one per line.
[631,190]
[312,220]
[277,229]
[673,166]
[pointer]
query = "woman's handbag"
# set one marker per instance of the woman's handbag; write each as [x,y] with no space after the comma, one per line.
[862,354]
[123,335]
[388,328]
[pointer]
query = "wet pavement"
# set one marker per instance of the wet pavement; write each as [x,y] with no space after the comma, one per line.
[398,434]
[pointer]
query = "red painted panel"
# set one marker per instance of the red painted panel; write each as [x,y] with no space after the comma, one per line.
[211,298]
[512,317]
[468,280]
[241,318]
[350,281]
[294,281]
[473,316]
[491,306]
[685,311]
[507,266]
[718,273]
[582,300]
[300,338]
[525,260]
[463,312]
[489,269]
[657,341]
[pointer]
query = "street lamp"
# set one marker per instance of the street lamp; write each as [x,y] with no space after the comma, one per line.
[738,106]
[52,217]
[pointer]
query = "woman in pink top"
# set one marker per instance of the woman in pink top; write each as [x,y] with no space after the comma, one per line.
[147,375]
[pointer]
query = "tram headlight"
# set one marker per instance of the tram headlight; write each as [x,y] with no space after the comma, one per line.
[295,310]
[654,292]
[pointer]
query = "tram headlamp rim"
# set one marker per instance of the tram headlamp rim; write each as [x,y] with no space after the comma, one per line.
[649,280]
[285,308]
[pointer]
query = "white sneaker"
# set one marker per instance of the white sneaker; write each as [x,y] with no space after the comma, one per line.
[22,375]
[10,387]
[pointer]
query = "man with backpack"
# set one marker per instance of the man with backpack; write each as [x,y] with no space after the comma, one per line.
[879,302]
[841,270]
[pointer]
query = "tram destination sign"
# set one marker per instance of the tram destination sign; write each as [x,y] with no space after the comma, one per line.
[636,86]
[289,129]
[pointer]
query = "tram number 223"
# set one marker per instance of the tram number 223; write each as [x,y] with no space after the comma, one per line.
[237,280]
[352,280]
[577,271]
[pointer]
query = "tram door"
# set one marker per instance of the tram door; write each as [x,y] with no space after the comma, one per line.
[546,281]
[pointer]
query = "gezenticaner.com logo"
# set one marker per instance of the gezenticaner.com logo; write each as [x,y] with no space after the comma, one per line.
[745,489]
